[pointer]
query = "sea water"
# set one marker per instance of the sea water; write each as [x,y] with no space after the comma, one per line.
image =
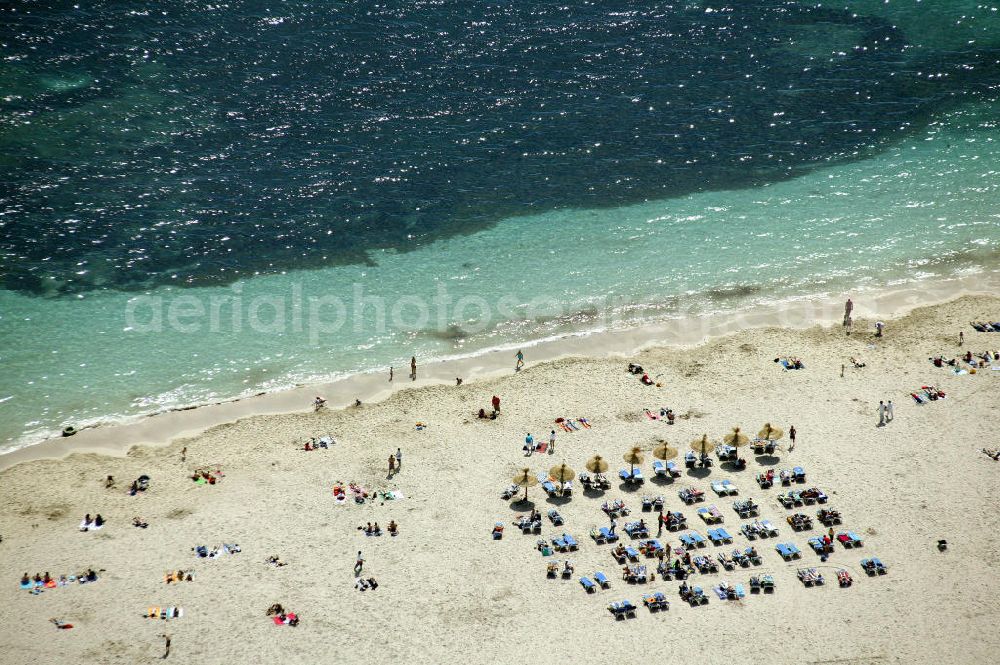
[205,201]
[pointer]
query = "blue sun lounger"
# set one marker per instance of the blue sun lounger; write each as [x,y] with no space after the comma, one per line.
[788,551]
[799,474]
[632,553]
[659,468]
[588,585]
[719,536]
[570,541]
[817,544]
[602,579]
[608,536]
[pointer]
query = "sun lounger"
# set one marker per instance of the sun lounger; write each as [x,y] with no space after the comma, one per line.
[550,488]
[719,536]
[710,515]
[691,495]
[608,536]
[659,468]
[874,566]
[704,565]
[719,488]
[746,508]
[636,574]
[622,609]
[637,530]
[788,551]
[602,580]
[799,474]
[844,578]
[655,601]
[632,553]
[571,543]
[673,470]
[588,585]
[598,536]
[556,518]
[817,544]
[695,596]
[850,539]
[690,459]
[692,539]
[810,576]
[675,520]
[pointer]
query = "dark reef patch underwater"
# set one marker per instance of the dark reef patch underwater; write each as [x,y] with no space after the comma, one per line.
[190,143]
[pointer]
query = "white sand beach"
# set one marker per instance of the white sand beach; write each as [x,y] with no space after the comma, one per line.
[449,593]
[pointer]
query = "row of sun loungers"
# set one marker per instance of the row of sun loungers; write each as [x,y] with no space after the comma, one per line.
[691,495]
[655,601]
[652,503]
[674,521]
[746,508]
[727,591]
[804,497]
[666,469]
[615,508]
[759,529]
[873,566]
[693,595]
[633,476]
[637,529]
[710,515]
[828,517]
[598,481]
[788,551]
[528,525]
[600,581]
[635,574]
[622,609]
[603,535]
[724,488]
[810,576]
[799,522]
[691,460]
[762,583]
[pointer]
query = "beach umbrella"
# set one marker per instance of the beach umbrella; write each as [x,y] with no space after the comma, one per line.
[702,445]
[597,464]
[562,473]
[770,433]
[634,457]
[736,438]
[525,479]
[664,452]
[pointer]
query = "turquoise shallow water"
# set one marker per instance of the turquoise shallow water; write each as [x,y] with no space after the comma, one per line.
[492,174]
[923,209]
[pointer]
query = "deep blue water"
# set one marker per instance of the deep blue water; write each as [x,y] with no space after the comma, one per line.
[197,142]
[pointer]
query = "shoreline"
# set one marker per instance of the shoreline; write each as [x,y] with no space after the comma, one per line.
[160,429]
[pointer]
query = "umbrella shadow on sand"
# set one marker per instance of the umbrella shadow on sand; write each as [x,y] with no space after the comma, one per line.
[662,480]
[522,505]
[557,500]
[699,473]
[767,460]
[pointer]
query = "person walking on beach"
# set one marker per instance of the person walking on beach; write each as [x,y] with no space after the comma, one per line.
[390,374]
[961,338]
[888,411]
[881,413]
[496,404]
[413,368]
[392,465]
[614,525]
[399,459]
[529,443]
[520,360]
[359,564]
[879,326]
[552,442]
[659,522]
[791,436]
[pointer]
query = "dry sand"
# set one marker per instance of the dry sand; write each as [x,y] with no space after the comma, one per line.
[448,593]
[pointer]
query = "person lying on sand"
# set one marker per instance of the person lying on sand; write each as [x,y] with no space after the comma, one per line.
[275,561]
[856,362]
[991,453]
[137,522]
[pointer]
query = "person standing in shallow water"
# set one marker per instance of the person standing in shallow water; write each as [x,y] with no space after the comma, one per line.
[390,373]
[520,360]
[413,368]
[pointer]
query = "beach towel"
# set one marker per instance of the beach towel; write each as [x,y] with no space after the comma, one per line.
[85,527]
[586,423]
[541,447]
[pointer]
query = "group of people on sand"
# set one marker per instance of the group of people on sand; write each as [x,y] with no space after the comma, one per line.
[88,523]
[49,582]
[492,415]
[375,530]
[980,360]
[641,373]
